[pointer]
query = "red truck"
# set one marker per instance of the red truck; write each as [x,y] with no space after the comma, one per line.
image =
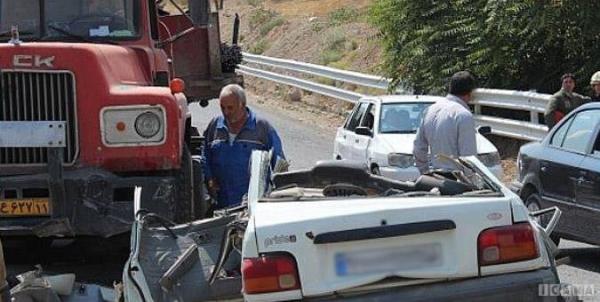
[94,105]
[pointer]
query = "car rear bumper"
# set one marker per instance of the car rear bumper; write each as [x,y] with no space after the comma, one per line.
[524,286]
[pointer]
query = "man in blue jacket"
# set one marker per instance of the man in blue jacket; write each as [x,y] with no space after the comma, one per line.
[229,142]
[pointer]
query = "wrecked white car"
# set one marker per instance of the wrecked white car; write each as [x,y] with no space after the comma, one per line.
[199,261]
[337,232]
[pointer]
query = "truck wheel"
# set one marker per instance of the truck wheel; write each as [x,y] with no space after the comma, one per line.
[185,189]
[191,202]
[201,200]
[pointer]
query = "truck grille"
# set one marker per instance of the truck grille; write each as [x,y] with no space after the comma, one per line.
[38,96]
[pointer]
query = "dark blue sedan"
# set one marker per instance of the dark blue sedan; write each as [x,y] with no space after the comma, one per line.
[563,170]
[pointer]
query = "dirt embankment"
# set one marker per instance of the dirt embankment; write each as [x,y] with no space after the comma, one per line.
[325,32]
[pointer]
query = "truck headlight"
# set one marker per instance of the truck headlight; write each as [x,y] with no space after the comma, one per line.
[139,125]
[401,160]
[489,159]
[147,124]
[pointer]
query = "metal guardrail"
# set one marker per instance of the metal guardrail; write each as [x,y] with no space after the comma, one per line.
[321,71]
[531,102]
[326,90]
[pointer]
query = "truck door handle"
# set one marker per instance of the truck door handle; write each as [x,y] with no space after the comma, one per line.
[356,140]
[344,137]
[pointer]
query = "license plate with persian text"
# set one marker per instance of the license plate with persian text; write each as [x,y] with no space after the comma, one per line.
[24,207]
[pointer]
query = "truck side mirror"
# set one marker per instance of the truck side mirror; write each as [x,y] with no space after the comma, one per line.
[363,131]
[484,130]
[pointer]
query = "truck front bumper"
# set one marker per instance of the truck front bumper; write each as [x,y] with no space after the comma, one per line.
[523,286]
[88,201]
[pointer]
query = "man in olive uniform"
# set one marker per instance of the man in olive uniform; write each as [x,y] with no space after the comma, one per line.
[563,101]
[595,82]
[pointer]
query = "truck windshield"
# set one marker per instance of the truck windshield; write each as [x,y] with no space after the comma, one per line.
[68,19]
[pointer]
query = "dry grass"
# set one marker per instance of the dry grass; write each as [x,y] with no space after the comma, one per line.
[313,7]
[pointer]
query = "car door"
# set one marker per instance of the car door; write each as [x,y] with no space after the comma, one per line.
[345,135]
[558,171]
[587,199]
[340,145]
[361,142]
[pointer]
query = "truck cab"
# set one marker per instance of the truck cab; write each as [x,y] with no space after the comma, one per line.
[95,100]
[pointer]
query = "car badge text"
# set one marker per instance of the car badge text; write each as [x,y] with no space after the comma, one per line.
[494,216]
[33,61]
[281,239]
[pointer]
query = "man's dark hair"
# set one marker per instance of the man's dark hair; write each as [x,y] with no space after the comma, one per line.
[566,76]
[462,83]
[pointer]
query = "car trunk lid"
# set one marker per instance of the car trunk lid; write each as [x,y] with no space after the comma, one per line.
[351,243]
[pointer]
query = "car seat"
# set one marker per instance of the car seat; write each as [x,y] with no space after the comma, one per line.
[368,121]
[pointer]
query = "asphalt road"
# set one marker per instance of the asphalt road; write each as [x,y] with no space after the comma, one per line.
[304,144]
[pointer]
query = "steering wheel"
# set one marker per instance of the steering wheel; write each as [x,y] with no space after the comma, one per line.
[83,23]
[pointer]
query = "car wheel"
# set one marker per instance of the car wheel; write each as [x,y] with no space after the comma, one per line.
[375,170]
[533,204]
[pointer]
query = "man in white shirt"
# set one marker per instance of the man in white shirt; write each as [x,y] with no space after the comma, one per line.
[448,127]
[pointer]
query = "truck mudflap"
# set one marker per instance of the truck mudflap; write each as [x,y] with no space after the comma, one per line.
[170,262]
[85,202]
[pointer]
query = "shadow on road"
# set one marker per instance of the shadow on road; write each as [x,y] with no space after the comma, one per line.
[92,260]
[585,258]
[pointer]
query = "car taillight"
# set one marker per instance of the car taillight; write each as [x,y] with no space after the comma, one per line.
[507,244]
[270,273]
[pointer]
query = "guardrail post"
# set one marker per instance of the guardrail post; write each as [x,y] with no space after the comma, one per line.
[534,117]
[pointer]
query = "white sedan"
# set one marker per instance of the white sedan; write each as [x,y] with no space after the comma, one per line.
[380,132]
[337,232]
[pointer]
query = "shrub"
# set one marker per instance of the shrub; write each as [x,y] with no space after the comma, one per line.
[342,15]
[265,20]
[330,56]
[259,47]
[268,26]
[255,3]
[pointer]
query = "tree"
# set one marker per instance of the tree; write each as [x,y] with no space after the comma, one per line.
[512,44]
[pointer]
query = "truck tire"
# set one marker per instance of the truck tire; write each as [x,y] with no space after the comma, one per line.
[201,200]
[183,208]
[191,202]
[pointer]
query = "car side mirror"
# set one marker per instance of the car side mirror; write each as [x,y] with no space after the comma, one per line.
[484,130]
[363,131]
